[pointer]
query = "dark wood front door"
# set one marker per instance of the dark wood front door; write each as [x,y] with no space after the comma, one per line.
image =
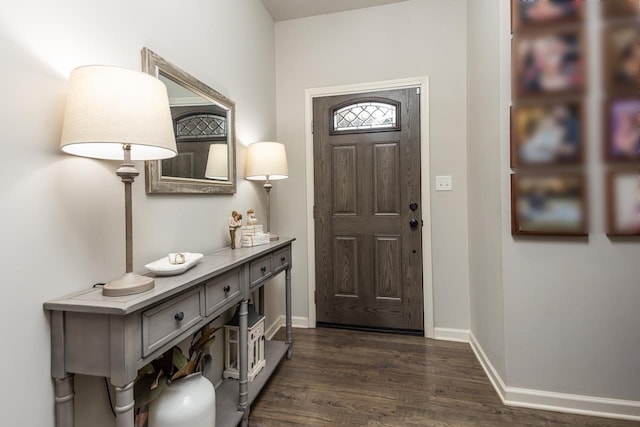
[368,213]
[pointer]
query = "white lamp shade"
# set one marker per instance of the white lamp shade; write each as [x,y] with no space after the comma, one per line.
[110,106]
[217,163]
[266,159]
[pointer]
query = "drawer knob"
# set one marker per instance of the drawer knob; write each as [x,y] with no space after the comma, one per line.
[179,316]
[263,269]
[283,259]
[226,289]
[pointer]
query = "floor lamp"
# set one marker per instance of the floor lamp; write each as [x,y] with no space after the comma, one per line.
[117,114]
[267,161]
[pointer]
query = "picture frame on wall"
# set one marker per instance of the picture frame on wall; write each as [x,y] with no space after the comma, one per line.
[621,48]
[537,13]
[620,8]
[550,204]
[547,134]
[622,130]
[548,63]
[623,203]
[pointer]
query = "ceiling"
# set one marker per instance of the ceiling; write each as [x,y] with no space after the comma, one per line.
[282,10]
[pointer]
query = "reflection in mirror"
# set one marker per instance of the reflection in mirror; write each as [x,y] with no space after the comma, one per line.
[203,122]
[199,124]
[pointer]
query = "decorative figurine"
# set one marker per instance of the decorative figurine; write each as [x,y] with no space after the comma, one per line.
[238,243]
[177,258]
[252,234]
[252,218]
[235,222]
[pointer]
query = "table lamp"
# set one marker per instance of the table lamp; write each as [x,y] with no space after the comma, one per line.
[267,161]
[217,163]
[118,114]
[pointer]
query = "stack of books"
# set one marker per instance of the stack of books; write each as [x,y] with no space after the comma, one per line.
[252,235]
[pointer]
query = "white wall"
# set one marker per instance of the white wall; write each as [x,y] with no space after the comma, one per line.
[61,220]
[552,315]
[570,308]
[571,305]
[408,39]
[484,169]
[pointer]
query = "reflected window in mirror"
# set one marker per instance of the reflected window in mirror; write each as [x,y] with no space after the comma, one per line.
[203,122]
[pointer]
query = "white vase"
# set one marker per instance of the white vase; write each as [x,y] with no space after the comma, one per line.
[187,402]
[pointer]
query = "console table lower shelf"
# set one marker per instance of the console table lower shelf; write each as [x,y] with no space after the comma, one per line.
[227,414]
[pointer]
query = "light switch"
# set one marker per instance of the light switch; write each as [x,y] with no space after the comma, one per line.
[443,183]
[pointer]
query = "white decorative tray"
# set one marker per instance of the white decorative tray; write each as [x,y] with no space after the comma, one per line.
[163,267]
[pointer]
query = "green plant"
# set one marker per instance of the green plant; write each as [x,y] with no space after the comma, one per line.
[171,366]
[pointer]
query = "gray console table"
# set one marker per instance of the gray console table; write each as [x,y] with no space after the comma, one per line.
[115,336]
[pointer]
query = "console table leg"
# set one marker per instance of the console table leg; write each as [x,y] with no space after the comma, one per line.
[245,418]
[243,356]
[288,338]
[65,395]
[124,405]
[261,302]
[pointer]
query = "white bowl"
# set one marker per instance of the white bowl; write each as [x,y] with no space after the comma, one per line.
[163,267]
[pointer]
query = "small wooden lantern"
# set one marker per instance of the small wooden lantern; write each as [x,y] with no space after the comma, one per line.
[256,345]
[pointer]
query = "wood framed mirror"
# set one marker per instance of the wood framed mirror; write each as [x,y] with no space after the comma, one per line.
[204,125]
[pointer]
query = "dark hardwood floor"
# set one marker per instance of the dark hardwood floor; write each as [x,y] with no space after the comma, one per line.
[338,377]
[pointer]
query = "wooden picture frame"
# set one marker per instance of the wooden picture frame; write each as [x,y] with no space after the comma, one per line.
[620,8]
[548,63]
[527,14]
[548,205]
[547,134]
[623,202]
[621,48]
[621,130]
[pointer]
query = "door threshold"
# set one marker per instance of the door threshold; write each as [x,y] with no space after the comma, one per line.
[413,332]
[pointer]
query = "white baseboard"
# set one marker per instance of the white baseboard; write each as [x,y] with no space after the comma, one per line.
[273,328]
[448,334]
[552,401]
[299,322]
[488,367]
[280,321]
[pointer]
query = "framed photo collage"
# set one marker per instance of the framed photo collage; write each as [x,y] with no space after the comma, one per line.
[548,117]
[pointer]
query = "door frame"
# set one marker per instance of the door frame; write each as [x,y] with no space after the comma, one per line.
[425,179]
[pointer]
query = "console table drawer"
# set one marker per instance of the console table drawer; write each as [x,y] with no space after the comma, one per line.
[164,322]
[281,259]
[222,289]
[260,270]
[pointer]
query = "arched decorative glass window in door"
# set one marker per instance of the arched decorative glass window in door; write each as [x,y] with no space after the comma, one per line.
[201,126]
[364,116]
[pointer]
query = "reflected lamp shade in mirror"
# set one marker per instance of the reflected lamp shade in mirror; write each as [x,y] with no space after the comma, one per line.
[217,163]
[109,107]
[266,161]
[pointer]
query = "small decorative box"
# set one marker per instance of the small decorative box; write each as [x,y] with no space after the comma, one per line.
[251,230]
[256,240]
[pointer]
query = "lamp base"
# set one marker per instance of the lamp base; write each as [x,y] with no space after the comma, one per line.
[128,284]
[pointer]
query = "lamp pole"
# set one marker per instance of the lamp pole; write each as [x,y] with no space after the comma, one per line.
[267,187]
[128,173]
[130,283]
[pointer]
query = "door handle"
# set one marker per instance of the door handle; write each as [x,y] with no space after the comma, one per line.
[414,223]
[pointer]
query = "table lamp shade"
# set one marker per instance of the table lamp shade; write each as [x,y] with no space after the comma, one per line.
[108,107]
[217,162]
[266,159]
